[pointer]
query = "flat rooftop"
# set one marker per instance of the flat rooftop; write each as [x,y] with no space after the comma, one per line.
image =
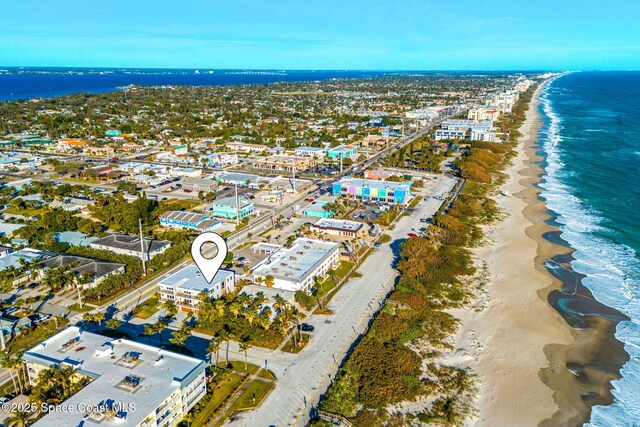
[109,362]
[296,262]
[189,277]
[372,183]
[184,216]
[338,224]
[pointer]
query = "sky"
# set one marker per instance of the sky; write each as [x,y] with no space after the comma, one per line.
[327,34]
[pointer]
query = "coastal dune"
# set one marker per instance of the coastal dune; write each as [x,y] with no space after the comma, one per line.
[507,338]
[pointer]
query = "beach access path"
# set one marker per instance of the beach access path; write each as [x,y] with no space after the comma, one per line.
[303,377]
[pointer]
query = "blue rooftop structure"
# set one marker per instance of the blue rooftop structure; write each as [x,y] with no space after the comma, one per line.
[74,238]
[27,254]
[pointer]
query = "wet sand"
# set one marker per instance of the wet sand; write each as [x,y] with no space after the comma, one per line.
[542,348]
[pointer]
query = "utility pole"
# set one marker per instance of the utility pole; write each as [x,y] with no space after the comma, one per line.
[2,339]
[294,179]
[237,207]
[142,252]
[341,154]
[79,296]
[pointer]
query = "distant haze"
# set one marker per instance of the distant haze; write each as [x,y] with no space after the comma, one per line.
[328,34]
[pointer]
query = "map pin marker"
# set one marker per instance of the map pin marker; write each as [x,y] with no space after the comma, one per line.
[209,266]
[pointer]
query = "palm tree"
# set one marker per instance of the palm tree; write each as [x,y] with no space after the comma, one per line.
[223,335]
[158,327]
[99,317]
[245,346]
[179,337]
[278,302]
[170,306]
[17,419]
[214,347]
[234,308]
[149,330]
[113,323]
[9,364]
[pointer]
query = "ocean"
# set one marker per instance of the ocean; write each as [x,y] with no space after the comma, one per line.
[49,82]
[590,140]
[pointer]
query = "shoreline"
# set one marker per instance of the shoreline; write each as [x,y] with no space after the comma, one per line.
[532,375]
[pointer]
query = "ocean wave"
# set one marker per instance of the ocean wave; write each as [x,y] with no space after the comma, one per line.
[612,270]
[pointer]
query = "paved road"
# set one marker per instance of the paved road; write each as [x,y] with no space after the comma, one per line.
[304,377]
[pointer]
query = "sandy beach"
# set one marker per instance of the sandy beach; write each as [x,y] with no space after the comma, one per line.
[507,338]
[533,367]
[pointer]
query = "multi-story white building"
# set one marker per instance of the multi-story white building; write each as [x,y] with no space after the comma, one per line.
[295,268]
[449,134]
[483,135]
[133,384]
[186,285]
[310,151]
[483,113]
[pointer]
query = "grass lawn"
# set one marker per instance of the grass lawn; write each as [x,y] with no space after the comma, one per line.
[29,339]
[266,374]
[225,386]
[344,268]
[251,397]
[239,366]
[147,308]
[288,347]
[415,202]
[84,308]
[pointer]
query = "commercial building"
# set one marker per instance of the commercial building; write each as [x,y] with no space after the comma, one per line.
[343,151]
[186,286]
[133,384]
[310,151]
[219,159]
[188,221]
[317,210]
[295,268]
[339,227]
[103,151]
[246,148]
[236,178]
[130,245]
[368,190]
[229,207]
[285,163]
[180,150]
[197,184]
[375,141]
[70,144]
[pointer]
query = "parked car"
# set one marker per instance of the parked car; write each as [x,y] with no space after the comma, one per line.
[4,400]
[307,327]
[377,244]
[412,235]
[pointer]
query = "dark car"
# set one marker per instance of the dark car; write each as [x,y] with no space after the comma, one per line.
[307,327]
[377,244]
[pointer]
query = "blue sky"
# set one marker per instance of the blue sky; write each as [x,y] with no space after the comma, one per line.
[328,34]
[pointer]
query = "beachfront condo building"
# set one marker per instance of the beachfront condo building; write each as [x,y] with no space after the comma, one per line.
[186,286]
[132,384]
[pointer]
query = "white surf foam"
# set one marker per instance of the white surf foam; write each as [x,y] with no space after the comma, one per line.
[612,271]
